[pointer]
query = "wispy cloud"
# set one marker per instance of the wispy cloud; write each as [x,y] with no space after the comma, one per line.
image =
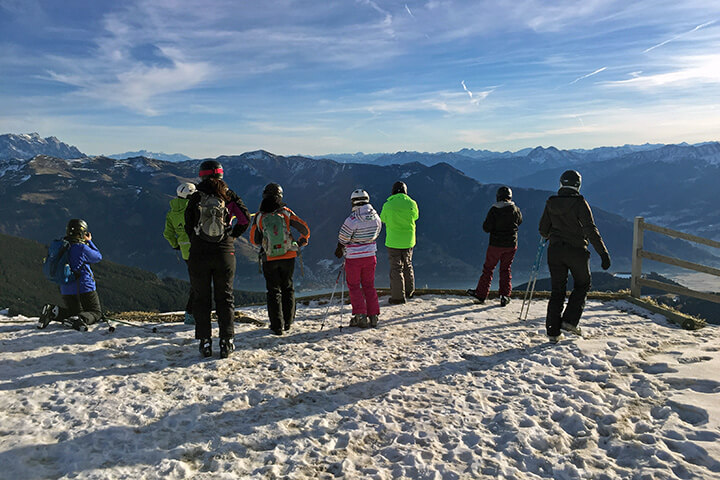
[408,10]
[695,70]
[588,75]
[679,36]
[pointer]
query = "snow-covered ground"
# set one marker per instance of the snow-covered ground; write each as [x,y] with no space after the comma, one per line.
[443,389]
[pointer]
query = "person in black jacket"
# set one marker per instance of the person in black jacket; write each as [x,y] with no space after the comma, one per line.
[567,222]
[211,265]
[501,223]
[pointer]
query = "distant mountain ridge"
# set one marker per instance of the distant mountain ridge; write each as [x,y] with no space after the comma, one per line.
[26,145]
[168,157]
[125,202]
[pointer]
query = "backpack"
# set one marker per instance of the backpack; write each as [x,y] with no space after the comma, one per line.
[212,222]
[276,240]
[56,265]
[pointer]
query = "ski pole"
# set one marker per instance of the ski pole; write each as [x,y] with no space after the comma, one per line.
[111,328]
[342,297]
[327,310]
[530,290]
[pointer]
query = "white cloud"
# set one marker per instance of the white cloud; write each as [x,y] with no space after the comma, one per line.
[695,70]
[679,36]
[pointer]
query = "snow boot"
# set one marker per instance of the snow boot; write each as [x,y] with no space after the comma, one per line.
[226,347]
[206,347]
[569,327]
[359,320]
[504,300]
[189,319]
[373,321]
[48,314]
[75,322]
[554,338]
[473,293]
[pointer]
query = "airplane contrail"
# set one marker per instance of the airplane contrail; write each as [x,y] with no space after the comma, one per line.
[679,36]
[588,75]
[408,10]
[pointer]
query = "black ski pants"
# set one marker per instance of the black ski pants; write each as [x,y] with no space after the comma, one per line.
[212,272]
[86,306]
[189,304]
[564,258]
[280,292]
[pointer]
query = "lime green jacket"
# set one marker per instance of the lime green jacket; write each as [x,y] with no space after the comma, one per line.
[175,227]
[399,214]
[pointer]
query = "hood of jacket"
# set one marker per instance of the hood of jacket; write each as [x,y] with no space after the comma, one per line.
[364,211]
[270,204]
[503,204]
[178,204]
[565,200]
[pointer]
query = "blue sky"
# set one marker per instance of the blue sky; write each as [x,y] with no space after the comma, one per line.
[213,77]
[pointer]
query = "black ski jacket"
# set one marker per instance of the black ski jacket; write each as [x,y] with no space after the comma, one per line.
[567,218]
[235,207]
[502,223]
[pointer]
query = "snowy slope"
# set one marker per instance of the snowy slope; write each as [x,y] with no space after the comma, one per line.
[444,388]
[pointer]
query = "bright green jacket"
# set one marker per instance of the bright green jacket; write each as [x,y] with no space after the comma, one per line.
[399,214]
[175,227]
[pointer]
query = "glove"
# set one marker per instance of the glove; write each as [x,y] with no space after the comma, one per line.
[302,241]
[339,250]
[605,257]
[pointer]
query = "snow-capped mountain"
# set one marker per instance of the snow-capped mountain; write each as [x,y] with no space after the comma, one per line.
[168,157]
[26,145]
[125,202]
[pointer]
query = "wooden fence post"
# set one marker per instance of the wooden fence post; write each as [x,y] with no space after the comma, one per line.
[636,258]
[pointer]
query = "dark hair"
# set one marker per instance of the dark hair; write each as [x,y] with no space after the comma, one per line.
[218,187]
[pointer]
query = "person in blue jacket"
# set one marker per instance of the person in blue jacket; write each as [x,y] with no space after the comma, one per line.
[82,304]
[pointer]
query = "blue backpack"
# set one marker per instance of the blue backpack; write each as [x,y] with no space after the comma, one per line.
[56,266]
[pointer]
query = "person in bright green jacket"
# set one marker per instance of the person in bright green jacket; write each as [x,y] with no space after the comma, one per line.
[177,237]
[399,214]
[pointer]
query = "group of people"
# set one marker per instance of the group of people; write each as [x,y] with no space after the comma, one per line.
[205,219]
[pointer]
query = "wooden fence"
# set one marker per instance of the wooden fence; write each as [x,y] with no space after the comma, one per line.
[638,253]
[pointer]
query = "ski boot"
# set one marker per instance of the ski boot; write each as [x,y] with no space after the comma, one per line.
[373,319]
[75,322]
[48,314]
[504,300]
[359,320]
[473,293]
[226,347]
[569,327]
[206,347]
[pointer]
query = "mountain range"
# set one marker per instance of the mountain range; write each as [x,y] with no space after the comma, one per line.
[26,145]
[168,157]
[125,201]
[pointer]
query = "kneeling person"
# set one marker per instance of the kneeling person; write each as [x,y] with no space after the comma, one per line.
[82,304]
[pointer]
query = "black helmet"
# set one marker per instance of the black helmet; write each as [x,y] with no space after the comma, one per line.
[272,190]
[210,169]
[503,193]
[399,187]
[571,179]
[76,228]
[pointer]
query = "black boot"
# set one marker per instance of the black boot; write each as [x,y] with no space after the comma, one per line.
[226,347]
[206,347]
[75,322]
[48,314]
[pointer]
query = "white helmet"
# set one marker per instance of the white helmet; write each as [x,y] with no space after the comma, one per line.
[359,197]
[186,189]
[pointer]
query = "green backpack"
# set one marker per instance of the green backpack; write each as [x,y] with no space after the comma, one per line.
[276,240]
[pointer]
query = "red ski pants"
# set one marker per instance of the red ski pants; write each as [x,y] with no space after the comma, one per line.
[505,256]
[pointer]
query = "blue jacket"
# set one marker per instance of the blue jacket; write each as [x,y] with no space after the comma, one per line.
[81,256]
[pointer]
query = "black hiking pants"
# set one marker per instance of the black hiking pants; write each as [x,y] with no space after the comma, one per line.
[280,292]
[86,306]
[564,258]
[211,276]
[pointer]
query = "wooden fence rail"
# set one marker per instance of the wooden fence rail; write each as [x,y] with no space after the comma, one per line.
[637,282]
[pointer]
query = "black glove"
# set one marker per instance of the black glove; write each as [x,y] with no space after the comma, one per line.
[339,250]
[605,257]
[302,241]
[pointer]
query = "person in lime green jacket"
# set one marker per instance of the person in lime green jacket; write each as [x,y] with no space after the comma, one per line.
[399,214]
[177,237]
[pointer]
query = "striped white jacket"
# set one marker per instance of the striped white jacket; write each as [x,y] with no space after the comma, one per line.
[359,232]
